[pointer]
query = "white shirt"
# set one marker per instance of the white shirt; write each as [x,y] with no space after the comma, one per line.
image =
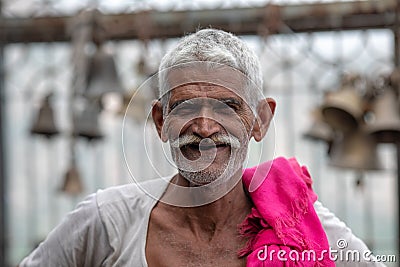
[109,228]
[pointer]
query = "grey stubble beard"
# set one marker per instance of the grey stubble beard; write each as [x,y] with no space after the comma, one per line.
[205,176]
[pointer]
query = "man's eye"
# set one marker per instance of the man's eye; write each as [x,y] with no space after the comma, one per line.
[235,107]
[187,107]
[225,108]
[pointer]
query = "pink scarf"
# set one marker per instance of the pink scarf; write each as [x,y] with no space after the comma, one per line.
[283,227]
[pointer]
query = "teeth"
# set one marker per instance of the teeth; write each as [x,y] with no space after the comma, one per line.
[205,146]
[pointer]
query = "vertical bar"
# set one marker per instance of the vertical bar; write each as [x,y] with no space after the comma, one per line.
[398,196]
[3,194]
[369,214]
[397,65]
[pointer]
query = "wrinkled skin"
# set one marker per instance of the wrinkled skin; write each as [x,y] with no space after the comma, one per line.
[205,235]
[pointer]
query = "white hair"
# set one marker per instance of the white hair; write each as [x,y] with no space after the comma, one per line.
[215,46]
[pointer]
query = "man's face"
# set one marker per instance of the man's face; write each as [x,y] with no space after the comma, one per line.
[208,127]
[207,116]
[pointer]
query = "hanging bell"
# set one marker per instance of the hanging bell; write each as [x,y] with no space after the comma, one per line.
[343,109]
[134,107]
[44,124]
[385,127]
[86,124]
[72,181]
[355,150]
[102,77]
[319,130]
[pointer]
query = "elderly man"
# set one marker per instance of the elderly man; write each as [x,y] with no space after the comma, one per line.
[212,212]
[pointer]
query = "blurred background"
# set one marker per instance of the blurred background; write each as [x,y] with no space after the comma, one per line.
[69,68]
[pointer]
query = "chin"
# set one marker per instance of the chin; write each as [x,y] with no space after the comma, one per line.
[218,171]
[200,178]
[218,174]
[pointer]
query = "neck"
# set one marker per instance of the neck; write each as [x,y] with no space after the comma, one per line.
[228,210]
[233,205]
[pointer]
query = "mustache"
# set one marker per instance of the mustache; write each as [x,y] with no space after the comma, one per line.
[217,139]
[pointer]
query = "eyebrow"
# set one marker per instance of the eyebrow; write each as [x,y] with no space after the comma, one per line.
[227,101]
[177,103]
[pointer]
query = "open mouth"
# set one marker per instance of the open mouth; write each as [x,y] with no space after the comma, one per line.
[206,150]
[204,147]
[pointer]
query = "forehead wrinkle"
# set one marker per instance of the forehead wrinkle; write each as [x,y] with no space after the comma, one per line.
[203,86]
[223,75]
[200,90]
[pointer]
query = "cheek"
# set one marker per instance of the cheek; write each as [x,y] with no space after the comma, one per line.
[247,119]
[238,126]
[174,127]
[248,124]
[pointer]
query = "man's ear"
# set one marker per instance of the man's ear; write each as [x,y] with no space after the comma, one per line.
[158,118]
[265,112]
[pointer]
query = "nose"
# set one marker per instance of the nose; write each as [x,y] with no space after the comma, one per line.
[204,125]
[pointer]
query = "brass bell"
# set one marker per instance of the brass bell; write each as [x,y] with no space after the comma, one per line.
[385,127]
[343,109]
[87,123]
[319,130]
[355,150]
[72,184]
[44,124]
[102,75]
[134,106]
